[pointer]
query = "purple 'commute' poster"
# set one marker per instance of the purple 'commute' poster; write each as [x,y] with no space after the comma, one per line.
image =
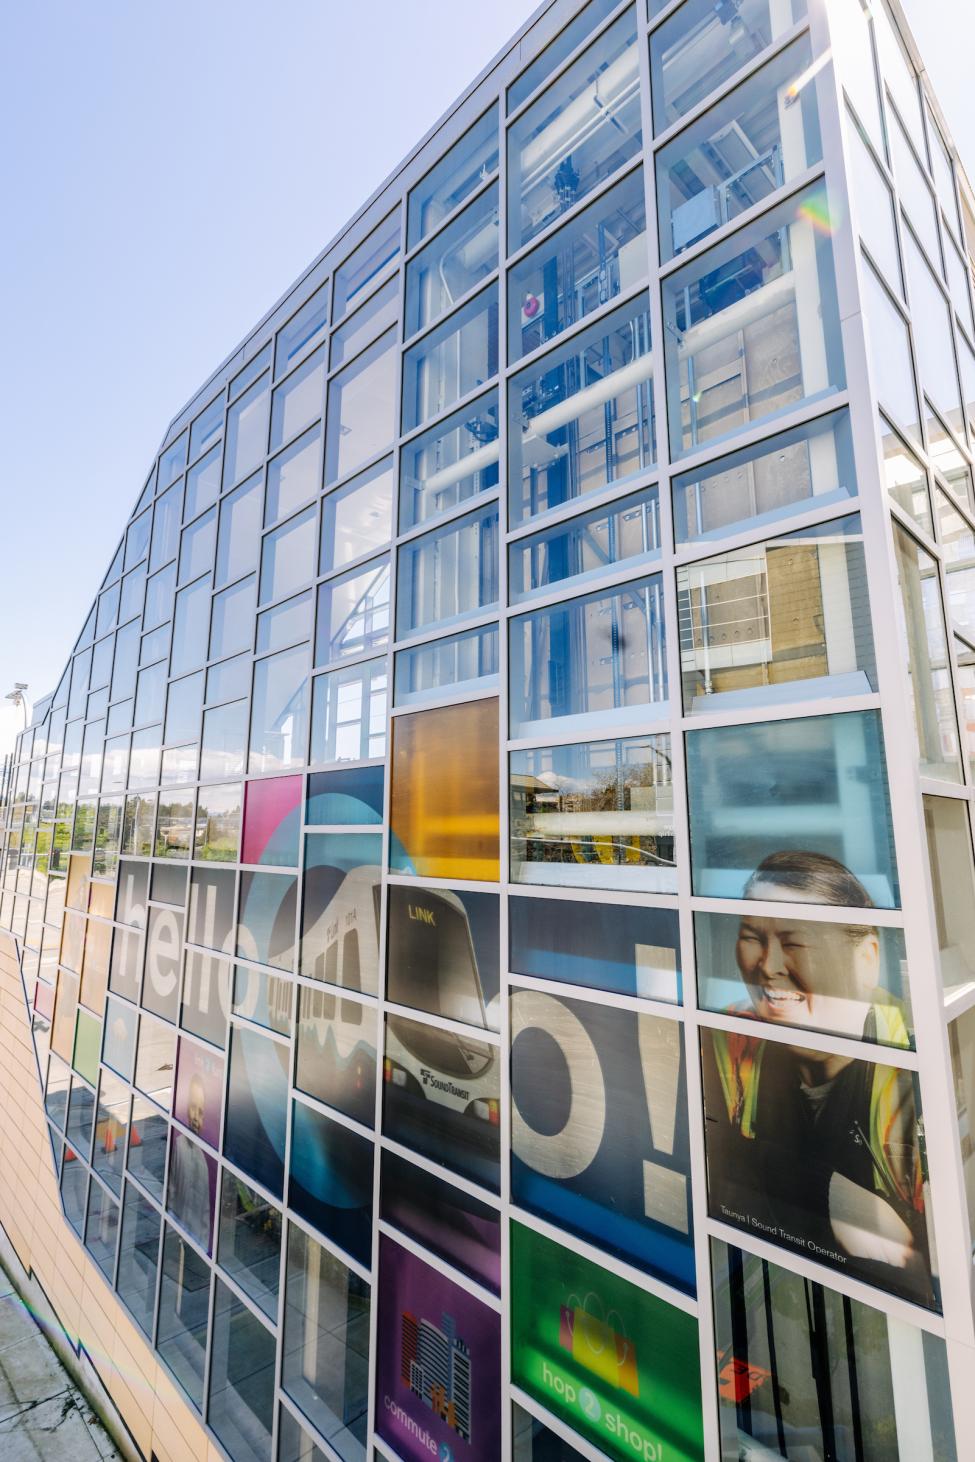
[438,1372]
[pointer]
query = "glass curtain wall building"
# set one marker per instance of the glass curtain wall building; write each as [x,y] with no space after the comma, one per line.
[493,888]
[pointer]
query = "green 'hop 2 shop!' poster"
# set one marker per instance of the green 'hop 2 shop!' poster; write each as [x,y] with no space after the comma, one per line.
[619,1365]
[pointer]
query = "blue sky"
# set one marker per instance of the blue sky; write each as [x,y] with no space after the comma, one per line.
[169,169]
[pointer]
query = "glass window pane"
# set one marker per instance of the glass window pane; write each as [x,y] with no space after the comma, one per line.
[196,548]
[596,815]
[365,264]
[208,424]
[327,1025]
[854,1190]
[700,46]
[238,544]
[224,742]
[875,208]
[340,914]
[890,355]
[757,486]
[421,1115]
[183,1313]
[297,402]
[377,314]
[584,416]
[349,714]
[190,627]
[272,822]
[958,287]
[443,955]
[138,1261]
[184,704]
[453,461]
[777,1334]
[949,840]
[598,659]
[848,978]
[147,1146]
[752,328]
[923,631]
[790,612]
[357,518]
[556,51]
[330,1180]
[931,323]
[232,619]
[457,664]
[466,1231]
[172,462]
[453,263]
[457,1340]
[625,532]
[192,1187]
[279,712]
[287,624]
[206,997]
[251,370]
[246,443]
[229,680]
[455,358]
[218,823]
[288,556]
[266,919]
[241,1399]
[444,817]
[762,135]
[159,602]
[301,332]
[448,574]
[353,613]
[361,409]
[165,526]
[257,1104]
[632,951]
[202,484]
[602,252]
[853,57]
[472,159]
[101,1230]
[578,132]
[293,477]
[325,1367]
[649,1224]
[907,481]
[266,1000]
[914,191]
[774,803]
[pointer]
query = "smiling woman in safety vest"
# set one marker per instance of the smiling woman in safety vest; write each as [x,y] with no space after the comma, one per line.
[814,1149]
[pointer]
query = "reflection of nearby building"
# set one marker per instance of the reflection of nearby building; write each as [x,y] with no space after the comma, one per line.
[436,1365]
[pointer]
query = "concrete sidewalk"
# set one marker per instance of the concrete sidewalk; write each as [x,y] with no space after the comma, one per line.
[43,1415]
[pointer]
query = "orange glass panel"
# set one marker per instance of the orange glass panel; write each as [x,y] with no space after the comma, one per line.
[72,940]
[79,876]
[101,899]
[65,1009]
[444,819]
[94,975]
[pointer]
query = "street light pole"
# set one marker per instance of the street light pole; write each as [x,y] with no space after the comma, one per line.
[19,699]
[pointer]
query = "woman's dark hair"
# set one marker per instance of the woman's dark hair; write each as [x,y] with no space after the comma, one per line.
[823,879]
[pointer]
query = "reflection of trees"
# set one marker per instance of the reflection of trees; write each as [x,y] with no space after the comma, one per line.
[638,792]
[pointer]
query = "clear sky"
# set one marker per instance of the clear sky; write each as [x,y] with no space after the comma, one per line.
[169,168]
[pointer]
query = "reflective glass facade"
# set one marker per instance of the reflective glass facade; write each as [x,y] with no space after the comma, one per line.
[538,676]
